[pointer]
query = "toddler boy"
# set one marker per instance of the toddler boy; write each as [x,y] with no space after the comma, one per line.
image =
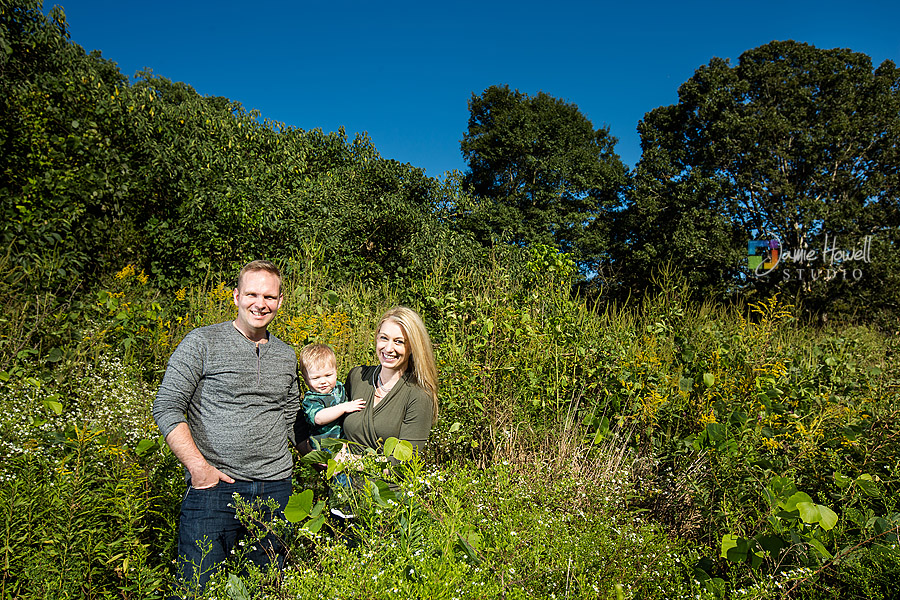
[325,403]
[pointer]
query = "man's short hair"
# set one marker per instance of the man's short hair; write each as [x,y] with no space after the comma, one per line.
[259,265]
[316,355]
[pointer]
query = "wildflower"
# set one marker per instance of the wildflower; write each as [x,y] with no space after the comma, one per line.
[126,272]
[707,419]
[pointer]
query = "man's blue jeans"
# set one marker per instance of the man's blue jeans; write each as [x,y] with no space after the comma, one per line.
[209,530]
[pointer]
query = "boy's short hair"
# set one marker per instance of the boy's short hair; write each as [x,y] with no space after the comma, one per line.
[316,355]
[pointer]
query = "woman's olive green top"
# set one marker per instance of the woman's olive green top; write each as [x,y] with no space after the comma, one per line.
[405,413]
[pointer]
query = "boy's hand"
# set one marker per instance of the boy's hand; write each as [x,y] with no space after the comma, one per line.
[354,405]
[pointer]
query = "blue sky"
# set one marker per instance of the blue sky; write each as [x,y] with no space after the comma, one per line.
[404,71]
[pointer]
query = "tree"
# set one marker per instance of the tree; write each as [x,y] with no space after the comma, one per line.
[793,143]
[543,174]
[96,173]
[60,171]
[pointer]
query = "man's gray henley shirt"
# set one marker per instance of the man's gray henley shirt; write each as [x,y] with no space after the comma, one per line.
[239,399]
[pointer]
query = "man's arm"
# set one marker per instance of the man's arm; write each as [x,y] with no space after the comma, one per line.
[203,474]
[183,374]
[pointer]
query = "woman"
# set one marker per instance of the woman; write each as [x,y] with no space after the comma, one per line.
[401,391]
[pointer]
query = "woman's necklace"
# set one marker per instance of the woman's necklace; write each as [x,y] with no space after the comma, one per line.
[381,390]
[383,387]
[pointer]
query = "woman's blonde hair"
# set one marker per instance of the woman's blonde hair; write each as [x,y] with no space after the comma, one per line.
[421,367]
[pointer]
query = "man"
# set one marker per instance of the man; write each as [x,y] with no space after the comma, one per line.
[227,401]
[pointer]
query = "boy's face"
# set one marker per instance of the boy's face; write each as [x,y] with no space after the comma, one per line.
[321,378]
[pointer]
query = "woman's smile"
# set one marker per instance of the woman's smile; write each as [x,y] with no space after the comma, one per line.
[390,345]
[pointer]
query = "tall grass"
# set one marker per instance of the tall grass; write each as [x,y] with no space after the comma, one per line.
[628,439]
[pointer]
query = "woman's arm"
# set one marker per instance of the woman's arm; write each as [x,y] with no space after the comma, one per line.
[416,424]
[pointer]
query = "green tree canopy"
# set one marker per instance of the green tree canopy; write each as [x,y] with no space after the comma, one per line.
[544,174]
[97,172]
[793,142]
[59,165]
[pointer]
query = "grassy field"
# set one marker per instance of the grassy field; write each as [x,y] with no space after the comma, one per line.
[661,449]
